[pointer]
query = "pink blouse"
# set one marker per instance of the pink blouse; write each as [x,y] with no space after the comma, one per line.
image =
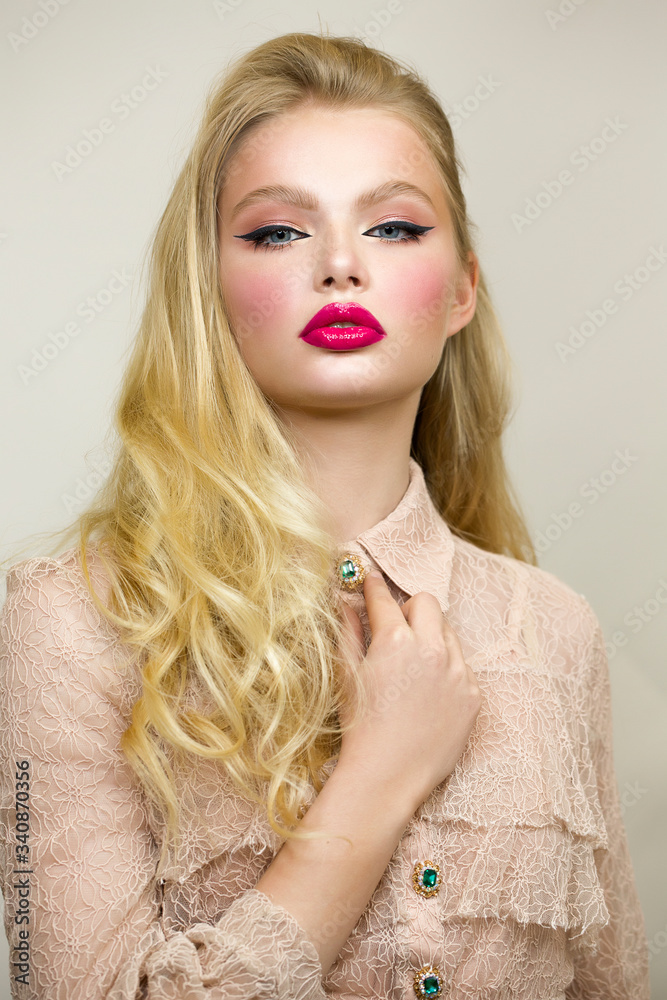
[535,898]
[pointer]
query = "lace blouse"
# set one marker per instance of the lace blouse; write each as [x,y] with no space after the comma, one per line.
[512,880]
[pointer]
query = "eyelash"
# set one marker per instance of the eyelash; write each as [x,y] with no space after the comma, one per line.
[414,233]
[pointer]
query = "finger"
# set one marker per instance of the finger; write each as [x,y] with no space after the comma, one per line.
[423,613]
[382,609]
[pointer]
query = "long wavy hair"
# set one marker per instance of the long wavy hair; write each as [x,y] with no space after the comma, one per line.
[216,548]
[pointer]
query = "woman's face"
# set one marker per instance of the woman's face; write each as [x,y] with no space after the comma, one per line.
[336,237]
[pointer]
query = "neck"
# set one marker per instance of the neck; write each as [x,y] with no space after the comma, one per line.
[357,461]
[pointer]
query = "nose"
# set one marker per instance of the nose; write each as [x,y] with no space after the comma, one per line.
[340,262]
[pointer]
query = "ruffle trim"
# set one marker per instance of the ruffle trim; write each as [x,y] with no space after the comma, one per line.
[528,761]
[544,875]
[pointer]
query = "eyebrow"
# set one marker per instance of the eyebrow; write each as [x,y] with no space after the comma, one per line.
[305,199]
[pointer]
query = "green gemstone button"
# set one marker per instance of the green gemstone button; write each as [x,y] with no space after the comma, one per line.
[431,985]
[429,878]
[347,569]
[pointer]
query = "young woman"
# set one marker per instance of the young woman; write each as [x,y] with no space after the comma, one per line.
[235,762]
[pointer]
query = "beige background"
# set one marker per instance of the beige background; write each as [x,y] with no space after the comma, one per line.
[553,80]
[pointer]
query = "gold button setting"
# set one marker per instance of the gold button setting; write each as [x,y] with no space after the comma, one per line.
[426,879]
[350,572]
[427,982]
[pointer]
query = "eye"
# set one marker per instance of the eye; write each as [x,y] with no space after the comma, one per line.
[258,237]
[395,226]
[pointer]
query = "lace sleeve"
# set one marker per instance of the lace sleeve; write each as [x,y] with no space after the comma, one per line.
[77,856]
[620,968]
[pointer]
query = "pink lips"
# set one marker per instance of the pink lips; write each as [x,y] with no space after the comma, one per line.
[320,333]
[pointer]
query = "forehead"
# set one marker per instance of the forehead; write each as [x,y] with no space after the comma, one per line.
[327,146]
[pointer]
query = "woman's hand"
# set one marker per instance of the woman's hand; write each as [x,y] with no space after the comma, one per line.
[423,697]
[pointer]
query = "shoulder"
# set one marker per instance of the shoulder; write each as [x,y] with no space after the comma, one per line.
[50,621]
[57,582]
[539,596]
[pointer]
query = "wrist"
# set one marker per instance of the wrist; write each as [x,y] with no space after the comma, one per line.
[372,788]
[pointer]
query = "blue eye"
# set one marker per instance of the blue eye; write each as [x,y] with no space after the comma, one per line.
[399,225]
[258,237]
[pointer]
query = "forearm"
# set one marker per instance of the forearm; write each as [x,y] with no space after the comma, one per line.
[326,884]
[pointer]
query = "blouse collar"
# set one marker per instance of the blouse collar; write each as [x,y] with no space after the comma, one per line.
[412,545]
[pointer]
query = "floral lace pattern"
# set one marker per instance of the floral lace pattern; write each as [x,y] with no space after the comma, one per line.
[537,896]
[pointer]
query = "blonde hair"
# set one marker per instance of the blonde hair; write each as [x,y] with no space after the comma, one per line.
[219,560]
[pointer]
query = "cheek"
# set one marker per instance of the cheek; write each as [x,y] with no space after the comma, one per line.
[420,296]
[258,302]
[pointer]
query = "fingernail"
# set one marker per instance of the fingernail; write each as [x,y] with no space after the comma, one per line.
[376,574]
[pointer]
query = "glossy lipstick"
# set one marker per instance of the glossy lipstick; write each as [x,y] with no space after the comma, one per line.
[320,333]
